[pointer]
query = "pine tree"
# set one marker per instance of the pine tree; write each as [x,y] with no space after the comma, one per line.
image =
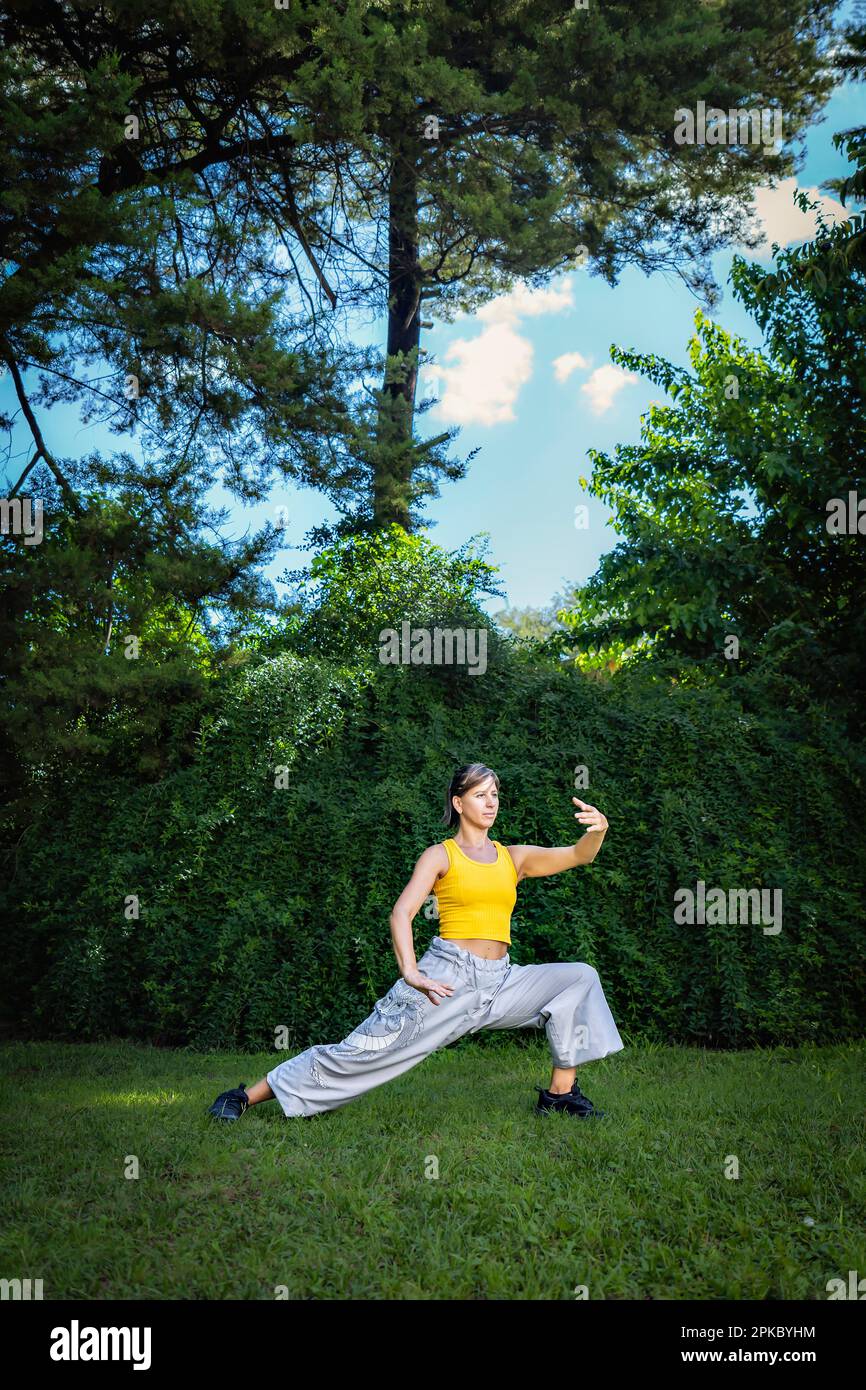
[484,143]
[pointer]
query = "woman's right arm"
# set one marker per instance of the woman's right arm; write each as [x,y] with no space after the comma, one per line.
[431,863]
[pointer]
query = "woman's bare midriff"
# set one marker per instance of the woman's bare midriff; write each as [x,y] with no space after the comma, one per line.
[480,946]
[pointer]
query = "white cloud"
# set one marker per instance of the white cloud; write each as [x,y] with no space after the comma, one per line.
[484,375]
[605,385]
[525,303]
[569,362]
[783,221]
[488,372]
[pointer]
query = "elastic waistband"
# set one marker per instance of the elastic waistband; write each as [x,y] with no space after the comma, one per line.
[450,948]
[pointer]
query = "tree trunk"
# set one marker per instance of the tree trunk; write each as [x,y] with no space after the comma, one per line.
[394,435]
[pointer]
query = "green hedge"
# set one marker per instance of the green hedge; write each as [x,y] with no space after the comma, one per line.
[262,907]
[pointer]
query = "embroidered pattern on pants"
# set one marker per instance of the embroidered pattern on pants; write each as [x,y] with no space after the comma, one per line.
[395,1021]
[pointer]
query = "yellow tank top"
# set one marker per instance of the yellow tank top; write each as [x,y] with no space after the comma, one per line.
[476,900]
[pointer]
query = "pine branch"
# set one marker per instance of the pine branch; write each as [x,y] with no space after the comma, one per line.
[41,447]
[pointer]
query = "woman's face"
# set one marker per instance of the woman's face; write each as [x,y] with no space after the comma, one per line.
[480,805]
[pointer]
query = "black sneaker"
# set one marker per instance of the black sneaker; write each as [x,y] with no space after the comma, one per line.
[230,1105]
[572,1102]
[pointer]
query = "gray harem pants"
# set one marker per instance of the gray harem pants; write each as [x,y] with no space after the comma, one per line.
[564,998]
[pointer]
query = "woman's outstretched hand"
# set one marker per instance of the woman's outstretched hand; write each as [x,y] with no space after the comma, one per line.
[432,988]
[589,816]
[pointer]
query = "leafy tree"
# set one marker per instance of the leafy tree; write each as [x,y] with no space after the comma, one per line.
[363,584]
[110,634]
[528,623]
[725,507]
[538,630]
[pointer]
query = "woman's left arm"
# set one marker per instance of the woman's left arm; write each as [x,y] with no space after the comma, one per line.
[536,861]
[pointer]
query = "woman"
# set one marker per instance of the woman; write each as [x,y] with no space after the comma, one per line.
[466,980]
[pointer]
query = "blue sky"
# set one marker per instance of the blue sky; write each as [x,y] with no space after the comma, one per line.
[528,378]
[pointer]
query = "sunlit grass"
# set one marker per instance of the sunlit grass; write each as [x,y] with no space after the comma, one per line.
[345,1205]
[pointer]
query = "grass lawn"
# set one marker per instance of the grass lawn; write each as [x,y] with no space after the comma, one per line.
[343,1206]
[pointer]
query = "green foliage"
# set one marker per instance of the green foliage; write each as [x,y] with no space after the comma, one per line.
[723,507]
[529,624]
[263,905]
[361,585]
[110,633]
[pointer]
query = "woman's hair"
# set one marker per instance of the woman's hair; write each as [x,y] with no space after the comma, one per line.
[464,779]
